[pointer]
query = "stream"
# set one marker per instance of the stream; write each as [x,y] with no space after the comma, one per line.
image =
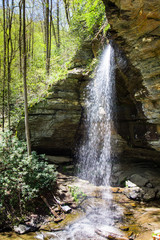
[129,218]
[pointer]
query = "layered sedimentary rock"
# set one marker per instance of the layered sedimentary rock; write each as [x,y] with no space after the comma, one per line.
[54,121]
[135,31]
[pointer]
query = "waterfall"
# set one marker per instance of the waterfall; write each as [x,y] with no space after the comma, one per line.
[95,152]
[95,157]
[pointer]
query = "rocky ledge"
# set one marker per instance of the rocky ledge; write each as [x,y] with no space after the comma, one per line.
[54,122]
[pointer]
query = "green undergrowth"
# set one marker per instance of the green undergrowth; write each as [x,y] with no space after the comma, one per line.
[23,178]
[77,194]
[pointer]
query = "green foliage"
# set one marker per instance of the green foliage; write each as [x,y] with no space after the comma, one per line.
[106,29]
[22,178]
[77,194]
[88,16]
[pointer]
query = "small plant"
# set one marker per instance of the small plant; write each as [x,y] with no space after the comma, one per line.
[77,194]
[22,178]
[107,27]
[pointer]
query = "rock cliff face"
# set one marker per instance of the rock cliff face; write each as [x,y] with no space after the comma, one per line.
[135,31]
[54,122]
[134,34]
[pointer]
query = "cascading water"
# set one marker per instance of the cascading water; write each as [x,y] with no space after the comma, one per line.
[95,157]
[95,152]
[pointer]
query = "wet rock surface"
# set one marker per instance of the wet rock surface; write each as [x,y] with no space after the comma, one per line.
[24,228]
[143,175]
[134,33]
[91,216]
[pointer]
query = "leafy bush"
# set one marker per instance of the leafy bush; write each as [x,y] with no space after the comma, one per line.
[22,178]
[77,194]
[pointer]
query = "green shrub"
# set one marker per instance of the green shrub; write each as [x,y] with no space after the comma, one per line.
[22,178]
[77,194]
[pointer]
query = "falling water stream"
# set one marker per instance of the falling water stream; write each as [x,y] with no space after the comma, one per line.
[95,152]
[96,155]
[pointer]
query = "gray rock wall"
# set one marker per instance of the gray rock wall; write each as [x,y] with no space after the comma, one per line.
[55,120]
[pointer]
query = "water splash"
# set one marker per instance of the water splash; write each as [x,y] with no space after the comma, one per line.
[95,157]
[95,152]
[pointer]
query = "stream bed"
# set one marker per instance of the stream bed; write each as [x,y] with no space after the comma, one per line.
[94,215]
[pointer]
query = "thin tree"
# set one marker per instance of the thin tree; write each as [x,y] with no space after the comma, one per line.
[10,11]
[4,65]
[52,25]
[47,36]
[66,5]
[25,82]
[8,61]
[20,37]
[43,26]
[58,32]
[32,29]
[50,32]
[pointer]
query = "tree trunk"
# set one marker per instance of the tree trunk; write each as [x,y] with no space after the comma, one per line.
[25,83]
[50,33]
[4,65]
[66,5]
[9,55]
[8,87]
[32,38]
[32,30]
[47,37]
[10,12]
[53,29]
[58,33]
[20,38]
[29,38]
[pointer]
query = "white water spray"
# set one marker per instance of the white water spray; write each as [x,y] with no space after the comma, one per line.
[95,152]
[95,156]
